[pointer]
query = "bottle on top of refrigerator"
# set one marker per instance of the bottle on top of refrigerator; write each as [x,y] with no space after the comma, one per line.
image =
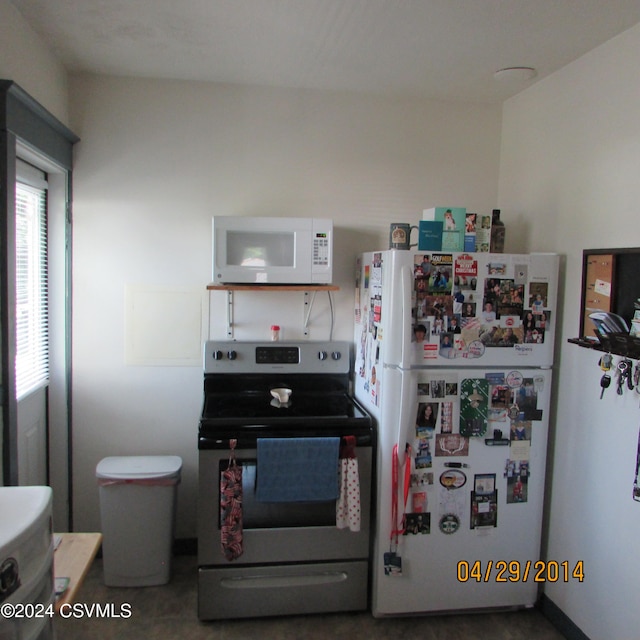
[497,233]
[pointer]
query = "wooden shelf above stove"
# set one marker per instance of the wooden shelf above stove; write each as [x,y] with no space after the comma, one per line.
[305,289]
[272,287]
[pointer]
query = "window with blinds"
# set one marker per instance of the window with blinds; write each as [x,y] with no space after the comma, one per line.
[32,348]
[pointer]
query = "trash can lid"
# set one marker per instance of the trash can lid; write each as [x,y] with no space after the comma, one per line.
[139,467]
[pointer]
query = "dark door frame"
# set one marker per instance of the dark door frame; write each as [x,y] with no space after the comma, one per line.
[25,121]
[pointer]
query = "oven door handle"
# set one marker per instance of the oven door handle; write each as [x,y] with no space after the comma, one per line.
[249,442]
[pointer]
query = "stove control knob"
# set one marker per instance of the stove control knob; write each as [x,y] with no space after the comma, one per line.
[336,355]
[217,355]
[322,355]
[232,355]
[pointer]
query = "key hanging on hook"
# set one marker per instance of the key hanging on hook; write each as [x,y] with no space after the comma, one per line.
[605,365]
[605,381]
[605,362]
[630,382]
[623,372]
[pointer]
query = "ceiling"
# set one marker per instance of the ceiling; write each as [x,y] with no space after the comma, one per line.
[439,49]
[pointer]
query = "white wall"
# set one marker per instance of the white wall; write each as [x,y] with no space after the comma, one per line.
[569,178]
[26,60]
[157,159]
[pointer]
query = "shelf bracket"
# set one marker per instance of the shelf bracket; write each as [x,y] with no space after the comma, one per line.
[230,314]
[307,306]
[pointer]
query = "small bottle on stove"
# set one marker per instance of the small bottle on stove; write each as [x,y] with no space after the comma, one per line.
[275,333]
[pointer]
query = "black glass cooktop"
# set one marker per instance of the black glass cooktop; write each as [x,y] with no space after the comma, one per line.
[260,406]
[245,401]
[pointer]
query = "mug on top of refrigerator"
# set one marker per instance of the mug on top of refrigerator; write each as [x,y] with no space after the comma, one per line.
[400,236]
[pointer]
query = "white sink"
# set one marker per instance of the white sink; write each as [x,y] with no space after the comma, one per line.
[25,539]
[22,508]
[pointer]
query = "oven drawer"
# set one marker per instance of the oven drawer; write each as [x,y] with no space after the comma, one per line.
[247,592]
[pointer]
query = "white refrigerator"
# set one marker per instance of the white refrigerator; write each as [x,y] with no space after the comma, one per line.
[453,357]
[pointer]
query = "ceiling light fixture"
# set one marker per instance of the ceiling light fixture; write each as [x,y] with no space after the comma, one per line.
[515,74]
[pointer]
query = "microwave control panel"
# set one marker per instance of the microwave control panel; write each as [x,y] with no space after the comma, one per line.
[321,250]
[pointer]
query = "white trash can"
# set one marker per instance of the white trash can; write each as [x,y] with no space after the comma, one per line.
[137,509]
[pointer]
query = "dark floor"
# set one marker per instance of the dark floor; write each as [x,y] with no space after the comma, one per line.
[169,613]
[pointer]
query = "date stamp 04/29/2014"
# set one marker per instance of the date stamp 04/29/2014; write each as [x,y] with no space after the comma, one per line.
[517,571]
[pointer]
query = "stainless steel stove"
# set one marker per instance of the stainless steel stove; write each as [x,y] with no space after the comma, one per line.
[294,559]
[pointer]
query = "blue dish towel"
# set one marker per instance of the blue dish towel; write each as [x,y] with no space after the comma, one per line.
[297,469]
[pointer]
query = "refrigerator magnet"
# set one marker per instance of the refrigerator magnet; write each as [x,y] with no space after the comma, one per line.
[452,502]
[417,523]
[392,564]
[514,379]
[520,431]
[476,349]
[495,378]
[517,489]
[451,444]
[497,439]
[521,273]
[449,523]
[453,479]
[427,416]
[446,418]
[419,502]
[421,479]
[474,406]
[484,510]
[484,484]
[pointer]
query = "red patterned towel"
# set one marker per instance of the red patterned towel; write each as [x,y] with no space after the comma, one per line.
[231,507]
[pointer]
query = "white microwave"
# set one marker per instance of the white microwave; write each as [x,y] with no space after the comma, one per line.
[272,250]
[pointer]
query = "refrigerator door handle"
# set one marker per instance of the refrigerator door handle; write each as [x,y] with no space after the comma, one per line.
[400,322]
[407,286]
[407,404]
[397,279]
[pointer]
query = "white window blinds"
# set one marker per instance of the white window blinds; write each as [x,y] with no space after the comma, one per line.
[32,352]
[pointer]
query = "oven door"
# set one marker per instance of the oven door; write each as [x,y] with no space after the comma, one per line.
[279,532]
